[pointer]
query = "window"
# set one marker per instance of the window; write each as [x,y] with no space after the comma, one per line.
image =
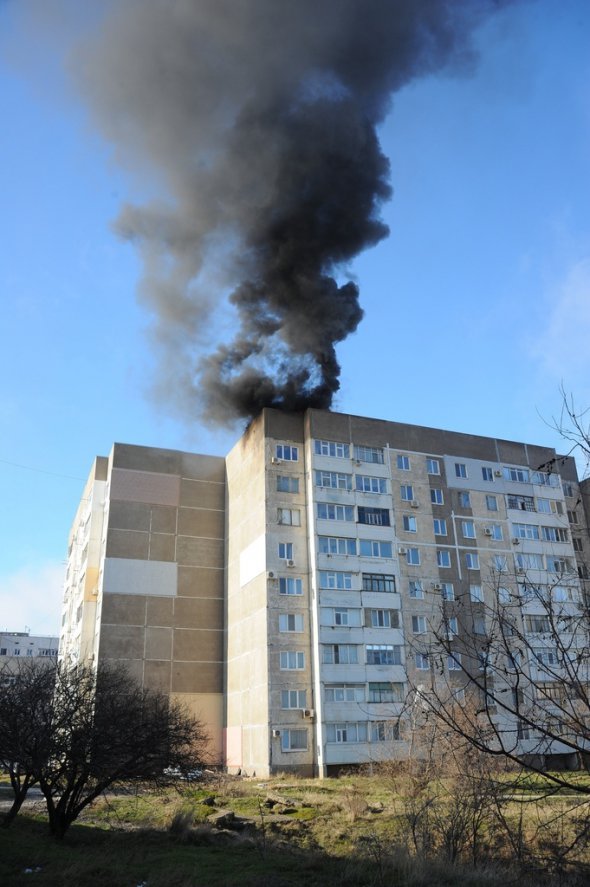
[336,545]
[468,527]
[432,466]
[3,651]
[523,731]
[367,484]
[568,489]
[422,662]
[525,531]
[292,660]
[520,475]
[383,618]
[290,622]
[293,740]
[289,517]
[369,454]
[340,616]
[454,662]
[546,655]
[286,550]
[504,595]
[572,516]
[436,497]
[476,594]
[464,499]
[286,484]
[287,453]
[529,562]
[346,732]
[416,589]
[375,517]
[290,585]
[384,654]
[440,526]
[409,523]
[492,503]
[544,479]
[293,699]
[403,463]
[577,543]
[460,469]
[447,591]
[479,625]
[496,532]
[375,548]
[378,582]
[413,557]
[521,503]
[335,512]
[339,654]
[335,480]
[559,565]
[419,624]
[487,473]
[335,579]
[344,693]
[443,558]
[537,624]
[472,561]
[544,505]
[385,691]
[500,563]
[406,492]
[451,626]
[554,534]
[332,448]
[384,731]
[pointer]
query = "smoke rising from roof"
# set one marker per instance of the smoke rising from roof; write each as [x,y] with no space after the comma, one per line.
[258,119]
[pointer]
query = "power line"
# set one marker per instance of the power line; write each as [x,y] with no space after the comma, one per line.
[40,470]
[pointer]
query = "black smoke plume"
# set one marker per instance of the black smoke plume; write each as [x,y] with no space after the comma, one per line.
[257,121]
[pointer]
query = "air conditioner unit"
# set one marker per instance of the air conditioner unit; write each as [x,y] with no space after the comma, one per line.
[275,460]
[516,541]
[357,462]
[414,503]
[520,569]
[276,733]
[308,713]
[487,531]
[497,473]
[437,586]
[402,550]
[270,575]
[290,563]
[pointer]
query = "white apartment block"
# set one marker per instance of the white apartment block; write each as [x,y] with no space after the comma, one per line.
[325,549]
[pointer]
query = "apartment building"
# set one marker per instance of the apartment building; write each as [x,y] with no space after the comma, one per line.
[22,646]
[338,547]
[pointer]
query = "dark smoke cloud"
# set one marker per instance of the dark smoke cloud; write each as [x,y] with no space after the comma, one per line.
[258,119]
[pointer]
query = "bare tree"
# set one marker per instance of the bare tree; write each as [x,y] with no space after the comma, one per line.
[96,729]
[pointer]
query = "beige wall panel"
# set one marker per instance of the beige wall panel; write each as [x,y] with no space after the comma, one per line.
[123,609]
[121,642]
[162,548]
[198,645]
[158,643]
[197,677]
[141,486]
[159,611]
[129,515]
[200,552]
[163,519]
[127,543]
[211,468]
[201,522]
[208,709]
[200,582]
[126,576]
[198,613]
[157,675]
[134,667]
[200,494]
[149,459]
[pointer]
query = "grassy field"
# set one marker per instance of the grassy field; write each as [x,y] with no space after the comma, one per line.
[351,831]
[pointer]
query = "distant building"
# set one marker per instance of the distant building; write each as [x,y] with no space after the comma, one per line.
[18,646]
[284,592]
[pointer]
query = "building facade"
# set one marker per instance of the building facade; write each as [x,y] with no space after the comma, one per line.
[21,646]
[329,551]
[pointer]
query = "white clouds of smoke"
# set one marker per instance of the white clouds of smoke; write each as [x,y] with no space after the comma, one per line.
[259,118]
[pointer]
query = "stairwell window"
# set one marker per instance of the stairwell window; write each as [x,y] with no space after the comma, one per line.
[287,453]
[293,740]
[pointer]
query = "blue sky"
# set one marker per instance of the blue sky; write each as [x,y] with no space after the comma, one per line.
[477,305]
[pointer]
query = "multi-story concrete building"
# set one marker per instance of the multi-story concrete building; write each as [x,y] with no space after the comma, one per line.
[21,646]
[339,545]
